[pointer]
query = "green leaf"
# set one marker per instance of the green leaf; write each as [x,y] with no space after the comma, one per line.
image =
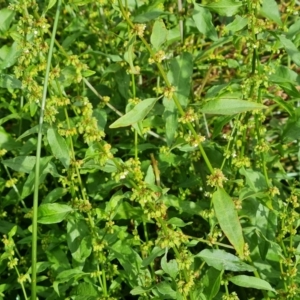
[180,74]
[270,10]
[212,283]
[6,17]
[229,106]
[238,24]
[224,7]
[165,288]
[255,180]
[159,34]
[203,20]
[138,290]
[171,118]
[51,4]
[156,252]
[251,282]
[10,82]
[9,55]
[59,147]
[291,130]
[221,260]
[20,163]
[137,114]
[9,117]
[113,204]
[228,219]
[266,221]
[29,183]
[189,207]
[178,222]
[291,49]
[79,240]
[55,194]
[51,213]
[170,267]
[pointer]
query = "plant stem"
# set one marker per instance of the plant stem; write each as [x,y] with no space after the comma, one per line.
[38,157]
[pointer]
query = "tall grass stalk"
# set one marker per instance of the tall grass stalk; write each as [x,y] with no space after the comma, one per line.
[38,156]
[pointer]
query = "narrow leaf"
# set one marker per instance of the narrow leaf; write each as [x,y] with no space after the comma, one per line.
[228,219]
[59,147]
[51,213]
[229,106]
[137,114]
[251,282]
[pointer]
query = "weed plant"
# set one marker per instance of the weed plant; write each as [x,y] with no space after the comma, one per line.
[149,149]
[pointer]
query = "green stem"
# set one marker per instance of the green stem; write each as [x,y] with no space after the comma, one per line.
[38,157]
[168,84]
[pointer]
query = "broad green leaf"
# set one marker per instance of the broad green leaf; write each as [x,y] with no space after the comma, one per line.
[20,163]
[148,16]
[6,17]
[189,207]
[266,221]
[212,282]
[180,74]
[251,282]
[178,222]
[29,183]
[170,267]
[228,219]
[270,10]
[32,130]
[225,7]
[238,24]
[203,20]
[79,239]
[221,260]
[156,252]
[165,288]
[113,204]
[254,179]
[55,194]
[59,147]
[286,84]
[291,130]
[294,30]
[8,81]
[229,106]
[171,118]
[138,290]
[9,55]
[150,177]
[137,114]
[159,34]
[291,49]
[68,274]
[51,213]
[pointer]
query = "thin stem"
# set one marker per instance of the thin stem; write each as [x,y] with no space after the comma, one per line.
[168,84]
[38,157]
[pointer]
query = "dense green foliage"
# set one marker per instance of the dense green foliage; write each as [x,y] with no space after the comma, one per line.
[149,149]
